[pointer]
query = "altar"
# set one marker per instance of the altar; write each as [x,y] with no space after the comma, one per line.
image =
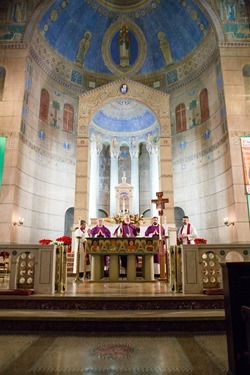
[114,247]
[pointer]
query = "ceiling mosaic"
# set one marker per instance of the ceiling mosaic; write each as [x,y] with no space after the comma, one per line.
[159,33]
[124,116]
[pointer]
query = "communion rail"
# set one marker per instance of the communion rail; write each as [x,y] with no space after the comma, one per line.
[41,268]
[191,268]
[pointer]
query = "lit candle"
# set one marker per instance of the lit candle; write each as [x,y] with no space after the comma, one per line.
[79,222]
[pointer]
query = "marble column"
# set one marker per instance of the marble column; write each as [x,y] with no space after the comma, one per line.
[113,181]
[135,180]
[96,148]
[154,173]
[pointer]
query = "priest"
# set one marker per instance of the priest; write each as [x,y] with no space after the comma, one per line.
[126,229]
[154,231]
[100,230]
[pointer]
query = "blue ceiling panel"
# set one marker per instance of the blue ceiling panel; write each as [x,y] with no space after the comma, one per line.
[64,24]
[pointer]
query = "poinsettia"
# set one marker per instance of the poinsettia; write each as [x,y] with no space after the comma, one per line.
[66,240]
[45,241]
[200,241]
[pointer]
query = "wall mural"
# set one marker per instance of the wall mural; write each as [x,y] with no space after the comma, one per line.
[234,15]
[14,15]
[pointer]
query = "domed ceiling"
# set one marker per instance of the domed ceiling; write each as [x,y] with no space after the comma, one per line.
[159,35]
[85,44]
[124,116]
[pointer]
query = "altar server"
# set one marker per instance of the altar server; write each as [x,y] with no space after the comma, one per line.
[80,232]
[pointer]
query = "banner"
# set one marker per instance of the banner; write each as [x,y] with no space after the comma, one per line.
[2,151]
[245,147]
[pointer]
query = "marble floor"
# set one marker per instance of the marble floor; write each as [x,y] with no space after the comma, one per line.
[100,293]
[108,353]
[84,288]
[54,354]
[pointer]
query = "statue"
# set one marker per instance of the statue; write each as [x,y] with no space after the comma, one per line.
[124,46]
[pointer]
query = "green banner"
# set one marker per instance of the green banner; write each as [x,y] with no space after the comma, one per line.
[245,148]
[2,151]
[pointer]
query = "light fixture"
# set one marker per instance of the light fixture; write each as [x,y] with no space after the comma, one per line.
[227,222]
[19,222]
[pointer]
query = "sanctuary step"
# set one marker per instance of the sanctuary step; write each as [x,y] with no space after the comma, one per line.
[112,320]
[112,307]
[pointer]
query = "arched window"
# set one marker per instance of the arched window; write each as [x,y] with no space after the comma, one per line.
[68,118]
[246,78]
[180,115]
[2,81]
[44,105]
[69,221]
[178,215]
[204,105]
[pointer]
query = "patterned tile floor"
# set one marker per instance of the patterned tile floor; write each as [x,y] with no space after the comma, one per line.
[118,354]
[50,354]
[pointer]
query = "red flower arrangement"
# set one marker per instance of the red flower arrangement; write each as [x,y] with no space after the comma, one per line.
[65,239]
[198,241]
[45,242]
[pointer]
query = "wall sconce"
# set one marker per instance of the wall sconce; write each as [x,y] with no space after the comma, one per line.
[227,222]
[19,222]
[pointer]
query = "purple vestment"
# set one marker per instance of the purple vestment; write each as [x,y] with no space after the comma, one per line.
[150,231]
[128,230]
[96,231]
[154,228]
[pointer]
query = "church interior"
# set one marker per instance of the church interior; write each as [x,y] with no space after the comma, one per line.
[104,104]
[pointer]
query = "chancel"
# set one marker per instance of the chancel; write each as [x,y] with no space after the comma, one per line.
[112,108]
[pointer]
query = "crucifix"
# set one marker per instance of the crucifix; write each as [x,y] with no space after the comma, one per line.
[160,205]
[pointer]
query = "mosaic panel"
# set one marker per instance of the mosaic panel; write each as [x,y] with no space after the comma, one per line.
[76,77]
[122,245]
[172,77]
[62,69]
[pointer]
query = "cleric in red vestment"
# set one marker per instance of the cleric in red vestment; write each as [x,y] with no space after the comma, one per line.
[187,232]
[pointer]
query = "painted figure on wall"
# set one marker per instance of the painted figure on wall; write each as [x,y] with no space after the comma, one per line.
[165,48]
[229,6]
[124,46]
[19,12]
[83,49]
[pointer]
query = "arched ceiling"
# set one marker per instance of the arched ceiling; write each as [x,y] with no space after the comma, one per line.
[124,116]
[77,43]
[162,33]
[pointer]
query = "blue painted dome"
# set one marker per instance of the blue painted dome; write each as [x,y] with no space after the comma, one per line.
[160,34]
[124,116]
